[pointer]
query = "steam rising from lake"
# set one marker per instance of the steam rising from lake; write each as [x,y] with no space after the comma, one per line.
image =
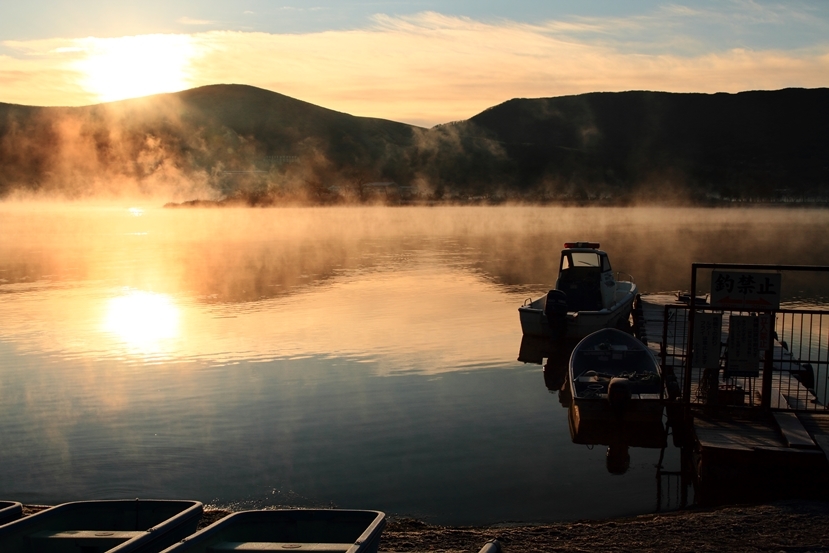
[362,282]
[354,356]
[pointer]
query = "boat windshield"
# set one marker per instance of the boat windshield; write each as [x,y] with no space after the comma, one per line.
[585,259]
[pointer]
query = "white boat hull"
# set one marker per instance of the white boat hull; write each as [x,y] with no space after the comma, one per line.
[579,323]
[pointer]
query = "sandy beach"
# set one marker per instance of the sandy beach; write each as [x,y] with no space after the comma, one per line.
[788,526]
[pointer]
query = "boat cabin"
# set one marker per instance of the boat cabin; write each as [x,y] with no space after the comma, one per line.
[585,277]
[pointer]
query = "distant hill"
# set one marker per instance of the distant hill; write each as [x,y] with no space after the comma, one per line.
[752,144]
[236,141]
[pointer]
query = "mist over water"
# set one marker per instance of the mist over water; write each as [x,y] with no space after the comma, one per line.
[354,356]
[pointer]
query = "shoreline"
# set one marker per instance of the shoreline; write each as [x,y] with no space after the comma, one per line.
[780,526]
[790,526]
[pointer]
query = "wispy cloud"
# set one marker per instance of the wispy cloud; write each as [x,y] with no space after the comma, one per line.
[432,68]
[190,21]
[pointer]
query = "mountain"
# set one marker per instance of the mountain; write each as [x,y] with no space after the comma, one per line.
[751,144]
[233,138]
[236,141]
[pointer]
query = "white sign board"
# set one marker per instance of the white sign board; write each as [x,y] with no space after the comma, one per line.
[743,346]
[742,291]
[707,339]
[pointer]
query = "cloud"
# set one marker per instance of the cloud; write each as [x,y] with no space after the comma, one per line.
[190,21]
[432,68]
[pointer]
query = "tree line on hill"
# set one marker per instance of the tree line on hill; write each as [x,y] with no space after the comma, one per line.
[240,144]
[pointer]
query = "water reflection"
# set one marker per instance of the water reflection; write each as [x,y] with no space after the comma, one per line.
[244,355]
[143,320]
[395,319]
[618,435]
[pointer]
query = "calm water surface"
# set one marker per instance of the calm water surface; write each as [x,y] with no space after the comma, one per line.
[354,357]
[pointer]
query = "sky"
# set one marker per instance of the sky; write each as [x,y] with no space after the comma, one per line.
[419,62]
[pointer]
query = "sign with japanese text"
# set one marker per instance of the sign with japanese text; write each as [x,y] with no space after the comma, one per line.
[742,291]
[743,346]
[707,339]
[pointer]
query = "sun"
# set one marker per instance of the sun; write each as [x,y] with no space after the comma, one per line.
[133,66]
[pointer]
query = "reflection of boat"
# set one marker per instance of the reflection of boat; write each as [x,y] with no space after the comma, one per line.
[614,376]
[587,297]
[616,388]
[290,529]
[534,349]
[119,526]
[611,431]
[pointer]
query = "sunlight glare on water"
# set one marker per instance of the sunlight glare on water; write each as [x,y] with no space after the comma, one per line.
[142,320]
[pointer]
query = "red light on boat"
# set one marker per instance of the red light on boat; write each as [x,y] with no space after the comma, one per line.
[593,245]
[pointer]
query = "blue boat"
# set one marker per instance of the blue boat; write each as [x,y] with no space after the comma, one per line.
[117,526]
[347,531]
[10,511]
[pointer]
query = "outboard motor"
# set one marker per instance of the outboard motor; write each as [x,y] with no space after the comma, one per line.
[555,309]
[618,394]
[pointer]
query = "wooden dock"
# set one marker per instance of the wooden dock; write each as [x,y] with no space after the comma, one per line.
[734,443]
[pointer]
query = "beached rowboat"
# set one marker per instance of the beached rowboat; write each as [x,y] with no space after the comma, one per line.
[346,531]
[118,526]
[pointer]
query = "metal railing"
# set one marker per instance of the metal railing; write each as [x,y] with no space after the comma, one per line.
[799,361]
[792,370]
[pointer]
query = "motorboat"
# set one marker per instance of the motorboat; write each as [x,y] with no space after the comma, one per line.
[588,296]
[343,530]
[614,377]
[107,526]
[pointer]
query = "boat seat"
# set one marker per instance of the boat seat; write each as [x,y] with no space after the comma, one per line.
[49,541]
[277,546]
[583,288]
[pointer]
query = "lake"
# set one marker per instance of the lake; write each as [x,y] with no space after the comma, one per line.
[350,357]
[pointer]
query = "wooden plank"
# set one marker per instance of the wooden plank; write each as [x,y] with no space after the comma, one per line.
[822,442]
[736,434]
[793,432]
[816,422]
[817,425]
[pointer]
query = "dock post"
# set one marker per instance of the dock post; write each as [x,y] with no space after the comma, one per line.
[768,365]
[686,384]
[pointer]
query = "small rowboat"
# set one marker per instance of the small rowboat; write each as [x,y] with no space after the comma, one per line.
[10,511]
[346,531]
[614,376]
[119,526]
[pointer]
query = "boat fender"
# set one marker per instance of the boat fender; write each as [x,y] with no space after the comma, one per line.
[618,394]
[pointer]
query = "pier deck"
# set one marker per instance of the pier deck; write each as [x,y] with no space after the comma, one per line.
[733,441]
